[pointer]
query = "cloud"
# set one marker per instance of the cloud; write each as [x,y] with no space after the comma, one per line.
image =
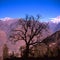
[55,20]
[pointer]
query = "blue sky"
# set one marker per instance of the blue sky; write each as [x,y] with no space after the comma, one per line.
[19,8]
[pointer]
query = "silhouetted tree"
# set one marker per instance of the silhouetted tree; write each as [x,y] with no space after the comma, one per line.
[29,32]
[39,50]
[21,49]
[53,50]
[5,51]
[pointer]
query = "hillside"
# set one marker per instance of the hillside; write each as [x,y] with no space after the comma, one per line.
[55,37]
[7,25]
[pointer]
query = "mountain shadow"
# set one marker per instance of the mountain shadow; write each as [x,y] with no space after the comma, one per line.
[55,37]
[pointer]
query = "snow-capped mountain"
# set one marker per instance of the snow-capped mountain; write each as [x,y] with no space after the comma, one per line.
[55,20]
[6,19]
[54,24]
[7,24]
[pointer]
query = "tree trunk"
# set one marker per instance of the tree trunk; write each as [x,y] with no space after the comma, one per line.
[26,52]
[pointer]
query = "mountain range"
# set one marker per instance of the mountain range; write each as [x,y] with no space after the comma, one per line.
[7,24]
[54,38]
[54,24]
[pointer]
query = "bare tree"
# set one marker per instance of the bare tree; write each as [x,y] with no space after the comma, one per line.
[29,32]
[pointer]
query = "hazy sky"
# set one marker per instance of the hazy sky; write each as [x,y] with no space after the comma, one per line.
[19,8]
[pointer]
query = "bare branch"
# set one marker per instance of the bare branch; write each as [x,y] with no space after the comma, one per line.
[34,43]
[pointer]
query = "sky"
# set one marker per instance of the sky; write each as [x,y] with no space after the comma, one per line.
[19,8]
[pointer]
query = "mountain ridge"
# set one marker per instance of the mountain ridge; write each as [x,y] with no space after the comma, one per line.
[55,37]
[7,25]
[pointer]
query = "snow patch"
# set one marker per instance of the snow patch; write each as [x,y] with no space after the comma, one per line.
[55,20]
[6,19]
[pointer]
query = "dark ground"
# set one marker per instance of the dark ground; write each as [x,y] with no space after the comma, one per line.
[45,58]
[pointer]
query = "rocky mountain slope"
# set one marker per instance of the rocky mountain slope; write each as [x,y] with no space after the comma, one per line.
[54,38]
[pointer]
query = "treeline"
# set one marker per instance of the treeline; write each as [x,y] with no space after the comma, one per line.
[37,51]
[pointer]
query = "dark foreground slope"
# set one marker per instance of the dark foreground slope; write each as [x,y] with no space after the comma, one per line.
[53,38]
[45,58]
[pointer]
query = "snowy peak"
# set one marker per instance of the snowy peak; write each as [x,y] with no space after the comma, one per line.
[54,24]
[6,19]
[55,20]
